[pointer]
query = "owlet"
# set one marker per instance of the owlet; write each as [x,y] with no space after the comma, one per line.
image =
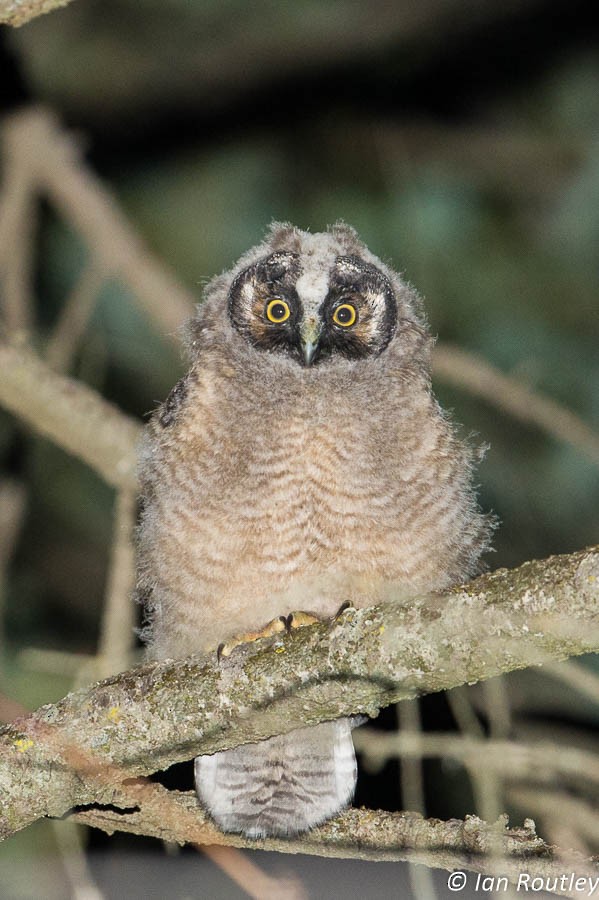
[301,463]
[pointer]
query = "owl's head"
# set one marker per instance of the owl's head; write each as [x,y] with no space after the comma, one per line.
[313,297]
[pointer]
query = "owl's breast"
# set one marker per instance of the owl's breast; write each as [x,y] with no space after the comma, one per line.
[271,499]
[309,507]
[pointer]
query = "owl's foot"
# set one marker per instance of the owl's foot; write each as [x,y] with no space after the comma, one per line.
[298,619]
[275,626]
[344,606]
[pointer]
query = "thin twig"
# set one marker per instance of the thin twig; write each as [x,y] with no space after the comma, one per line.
[412,783]
[497,707]
[476,376]
[72,854]
[577,676]
[543,763]
[18,215]
[251,878]
[74,318]
[13,499]
[485,785]
[71,414]
[95,215]
[557,805]
[355,834]
[488,783]
[117,634]
[464,713]
[412,793]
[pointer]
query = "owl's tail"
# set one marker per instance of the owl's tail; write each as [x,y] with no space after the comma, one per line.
[283,785]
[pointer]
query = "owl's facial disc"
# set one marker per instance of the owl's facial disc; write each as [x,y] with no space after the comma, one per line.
[278,307]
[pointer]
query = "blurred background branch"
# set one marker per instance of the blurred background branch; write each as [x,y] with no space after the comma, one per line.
[18,12]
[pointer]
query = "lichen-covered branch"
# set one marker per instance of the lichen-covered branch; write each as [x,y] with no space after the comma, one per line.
[153,716]
[71,414]
[356,833]
[470,845]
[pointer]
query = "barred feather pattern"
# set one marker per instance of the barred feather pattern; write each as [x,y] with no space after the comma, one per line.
[284,785]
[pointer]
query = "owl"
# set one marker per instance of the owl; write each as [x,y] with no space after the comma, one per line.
[301,463]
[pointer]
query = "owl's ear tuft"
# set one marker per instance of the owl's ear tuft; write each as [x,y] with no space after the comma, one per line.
[345,233]
[284,236]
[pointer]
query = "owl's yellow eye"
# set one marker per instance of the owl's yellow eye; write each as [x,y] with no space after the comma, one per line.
[345,315]
[277,311]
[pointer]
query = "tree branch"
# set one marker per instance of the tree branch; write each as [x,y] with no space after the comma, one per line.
[355,834]
[57,169]
[476,376]
[18,12]
[71,414]
[77,750]
[469,845]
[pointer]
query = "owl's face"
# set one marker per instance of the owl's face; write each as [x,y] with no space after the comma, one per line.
[312,308]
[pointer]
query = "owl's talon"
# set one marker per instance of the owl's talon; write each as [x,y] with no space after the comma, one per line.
[299,619]
[343,608]
[275,626]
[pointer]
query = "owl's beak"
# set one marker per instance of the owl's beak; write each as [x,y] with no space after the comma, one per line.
[310,334]
[309,351]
